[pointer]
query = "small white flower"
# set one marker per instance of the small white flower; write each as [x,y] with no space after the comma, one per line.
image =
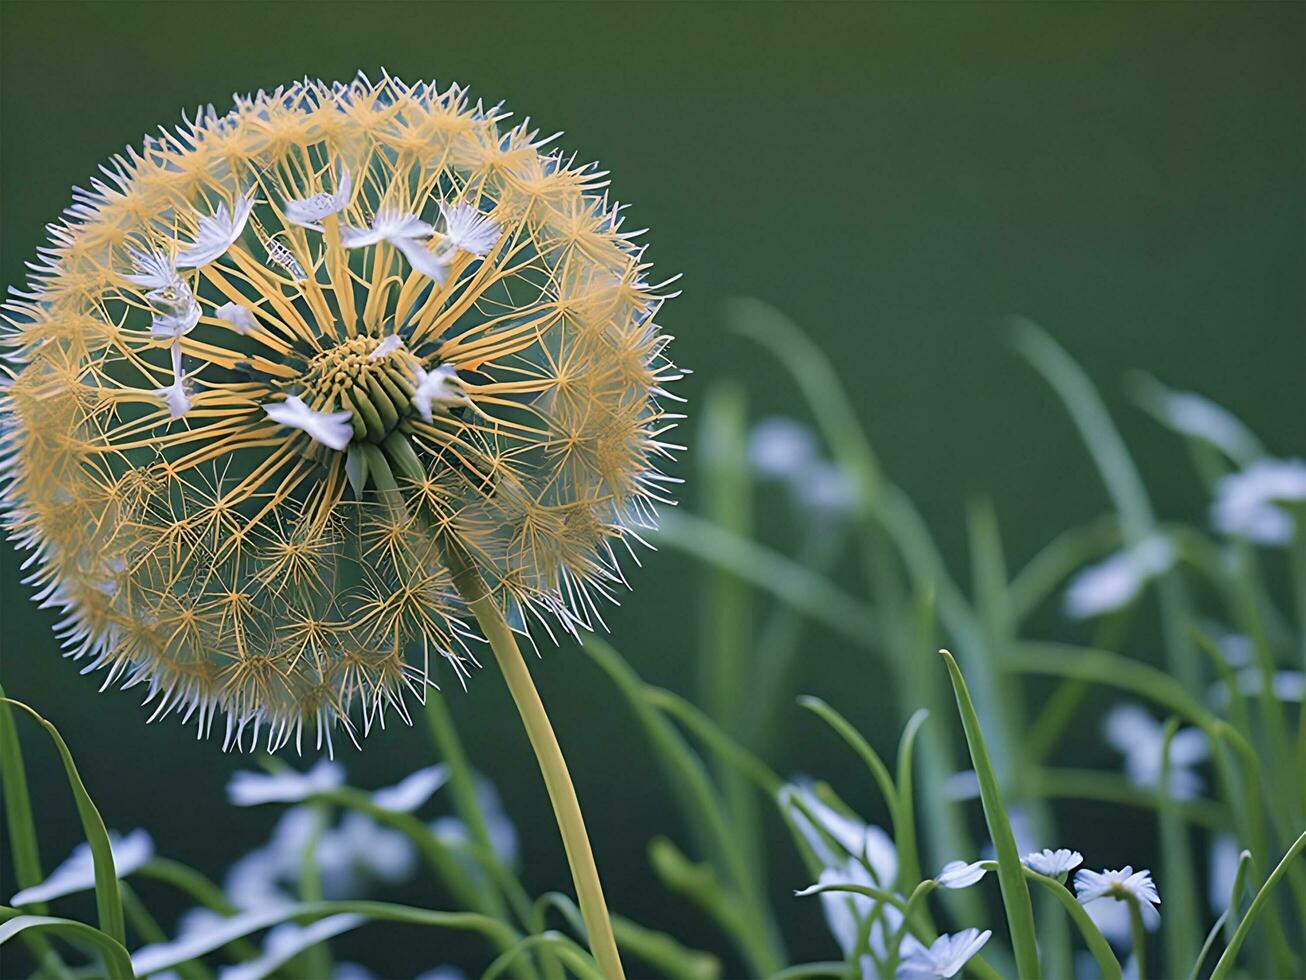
[176,395]
[216,234]
[175,310]
[201,931]
[1115,582]
[154,270]
[387,347]
[332,429]
[779,448]
[413,790]
[1122,885]
[1053,864]
[238,316]
[77,873]
[309,211]
[942,958]
[467,229]
[1140,738]
[959,874]
[254,788]
[439,387]
[1246,503]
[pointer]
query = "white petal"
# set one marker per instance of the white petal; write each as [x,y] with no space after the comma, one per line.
[154,270]
[286,941]
[413,790]
[1246,503]
[253,788]
[309,211]
[430,264]
[77,873]
[332,429]
[387,347]
[238,316]
[1053,863]
[215,235]
[959,874]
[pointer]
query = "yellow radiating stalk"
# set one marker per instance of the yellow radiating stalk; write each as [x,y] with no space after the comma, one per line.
[553,767]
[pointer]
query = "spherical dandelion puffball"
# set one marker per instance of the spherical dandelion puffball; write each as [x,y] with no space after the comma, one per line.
[278,368]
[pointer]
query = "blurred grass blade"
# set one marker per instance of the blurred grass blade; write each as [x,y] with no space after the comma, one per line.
[156,959]
[117,963]
[1011,875]
[108,900]
[770,571]
[18,803]
[555,943]
[818,380]
[879,771]
[758,937]
[1230,956]
[1065,554]
[904,838]
[729,751]
[1123,483]
[1225,923]
[1092,935]
[1179,925]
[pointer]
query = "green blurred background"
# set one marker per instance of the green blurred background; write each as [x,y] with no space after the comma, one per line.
[898,178]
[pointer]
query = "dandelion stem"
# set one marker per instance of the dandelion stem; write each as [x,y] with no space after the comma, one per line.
[553,767]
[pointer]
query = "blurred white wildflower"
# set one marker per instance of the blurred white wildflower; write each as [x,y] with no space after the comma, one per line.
[1194,415]
[1120,886]
[846,913]
[1115,582]
[498,826]
[1053,864]
[359,850]
[287,786]
[942,958]
[959,874]
[825,490]
[77,873]
[413,790]
[1140,738]
[1247,503]
[201,931]
[1224,857]
[860,840]
[286,941]
[780,447]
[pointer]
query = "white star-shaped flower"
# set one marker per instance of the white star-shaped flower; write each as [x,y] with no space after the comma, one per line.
[387,347]
[309,211]
[942,958]
[413,790]
[441,386]
[215,235]
[1122,885]
[1052,863]
[468,229]
[959,874]
[407,233]
[1116,581]
[238,316]
[332,429]
[176,395]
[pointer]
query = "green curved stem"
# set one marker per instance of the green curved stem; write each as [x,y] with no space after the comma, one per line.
[1226,961]
[553,767]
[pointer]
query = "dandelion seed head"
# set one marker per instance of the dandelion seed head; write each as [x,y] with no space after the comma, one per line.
[407,325]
